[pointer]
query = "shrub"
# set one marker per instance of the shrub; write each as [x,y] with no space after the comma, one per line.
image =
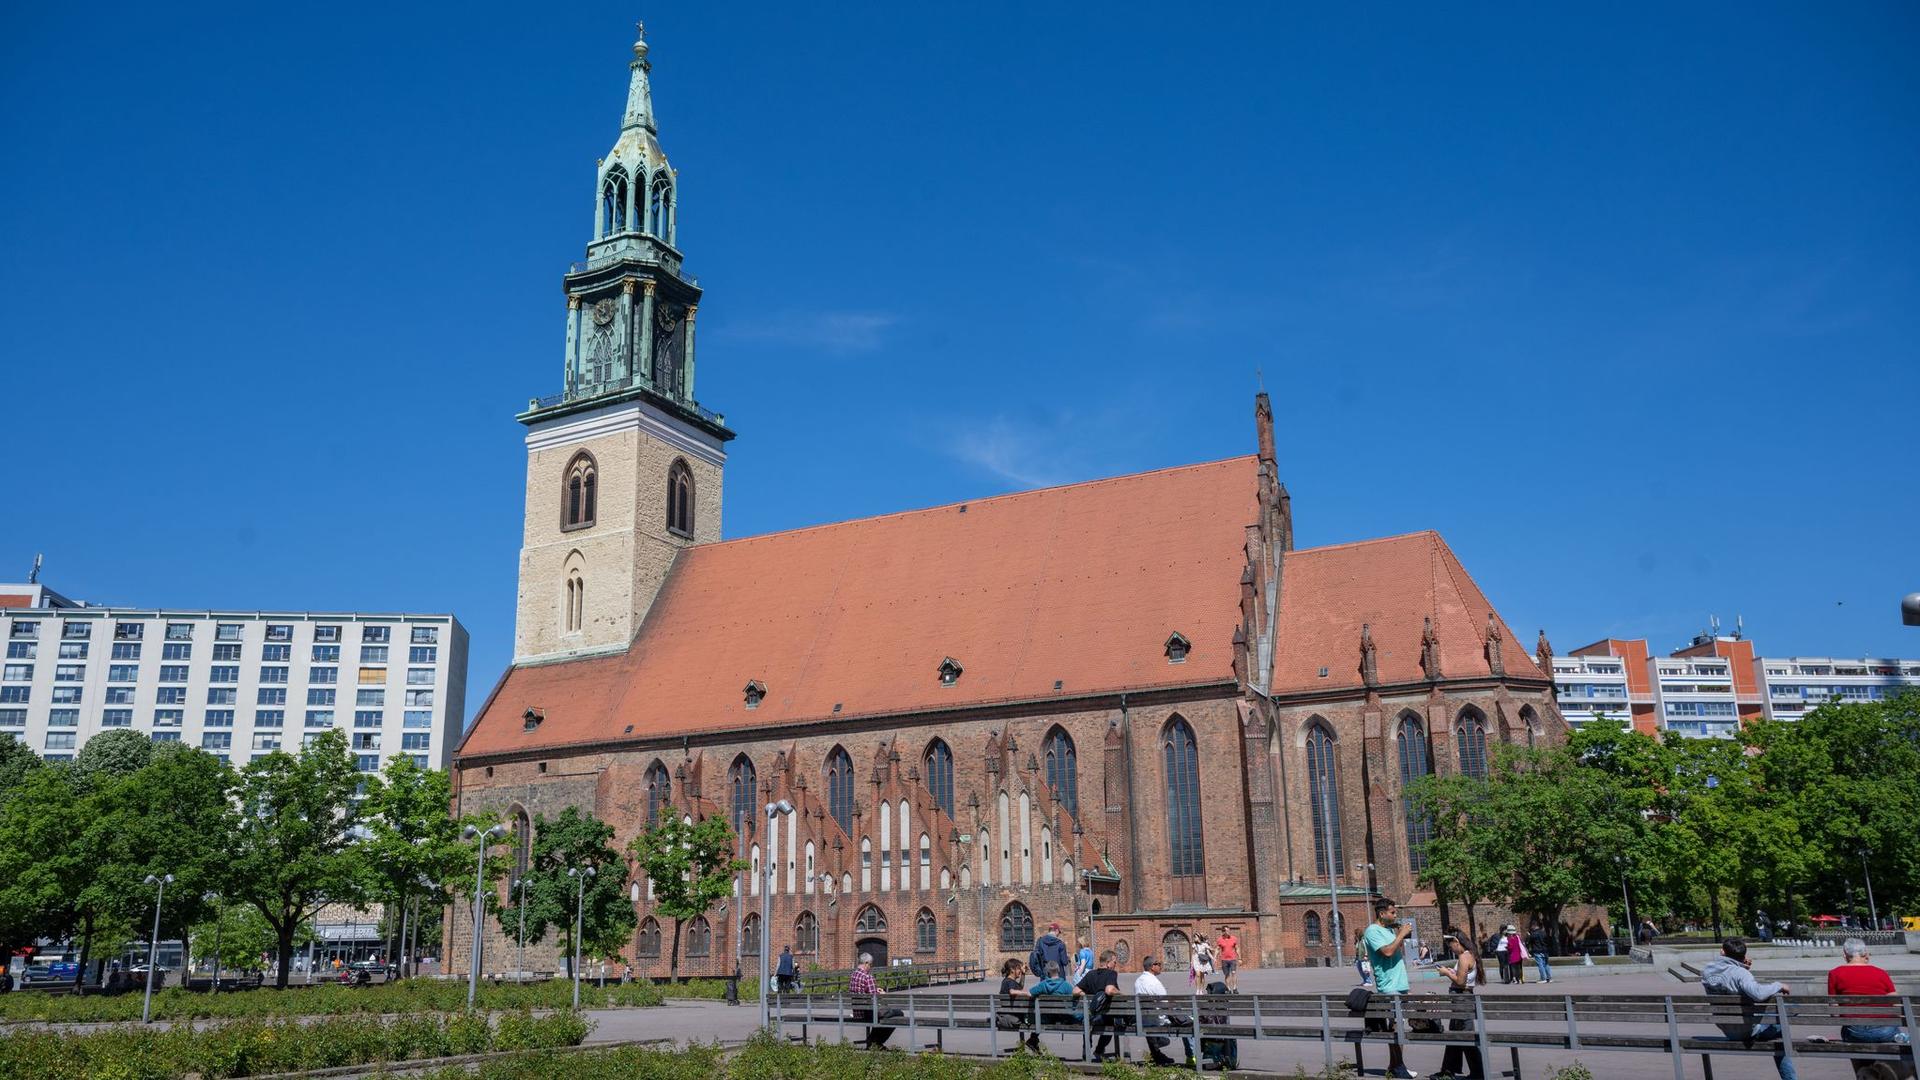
[409,996]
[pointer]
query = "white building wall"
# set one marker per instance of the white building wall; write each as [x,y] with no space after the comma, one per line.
[222,686]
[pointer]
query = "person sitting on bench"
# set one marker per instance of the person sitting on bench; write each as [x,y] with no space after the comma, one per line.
[861,984]
[1732,974]
[1860,975]
[1013,985]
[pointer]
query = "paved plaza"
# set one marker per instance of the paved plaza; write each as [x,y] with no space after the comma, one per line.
[706,1021]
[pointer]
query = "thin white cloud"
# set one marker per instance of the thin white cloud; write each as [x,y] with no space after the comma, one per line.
[1045,449]
[1014,452]
[828,331]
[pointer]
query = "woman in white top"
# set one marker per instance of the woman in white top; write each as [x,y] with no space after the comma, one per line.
[1200,970]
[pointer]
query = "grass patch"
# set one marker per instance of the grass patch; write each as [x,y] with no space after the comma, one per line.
[408,996]
[258,1046]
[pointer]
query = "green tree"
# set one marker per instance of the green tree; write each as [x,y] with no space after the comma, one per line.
[572,840]
[41,869]
[120,752]
[294,849]
[243,939]
[1463,860]
[689,865]
[16,760]
[413,849]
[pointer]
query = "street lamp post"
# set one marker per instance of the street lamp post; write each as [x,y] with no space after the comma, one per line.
[766,907]
[153,942]
[1872,909]
[580,874]
[1627,898]
[479,902]
[520,961]
[1333,886]
[219,920]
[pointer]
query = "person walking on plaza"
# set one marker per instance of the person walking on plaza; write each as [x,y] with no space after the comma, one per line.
[1731,975]
[861,984]
[1497,948]
[1859,975]
[1229,947]
[787,976]
[1462,977]
[1148,984]
[1386,943]
[1099,985]
[1515,954]
[1082,960]
[1200,967]
[1048,949]
[1538,943]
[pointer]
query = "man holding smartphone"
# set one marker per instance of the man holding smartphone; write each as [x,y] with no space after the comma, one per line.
[1386,950]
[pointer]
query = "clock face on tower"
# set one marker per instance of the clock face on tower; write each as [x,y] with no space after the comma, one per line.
[603,311]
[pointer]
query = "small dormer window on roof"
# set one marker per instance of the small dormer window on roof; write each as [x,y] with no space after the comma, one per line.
[1178,647]
[949,671]
[533,718]
[755,692]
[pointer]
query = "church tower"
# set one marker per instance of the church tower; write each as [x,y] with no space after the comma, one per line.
[623,465]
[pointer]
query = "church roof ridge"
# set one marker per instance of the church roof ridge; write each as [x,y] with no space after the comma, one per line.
[1417,534]
[989,499]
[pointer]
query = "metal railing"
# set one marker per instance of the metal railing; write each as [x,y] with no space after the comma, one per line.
[902,977]
[1675,1026]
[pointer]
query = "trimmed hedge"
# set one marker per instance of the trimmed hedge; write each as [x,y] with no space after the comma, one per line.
[256,1047]
[407,996]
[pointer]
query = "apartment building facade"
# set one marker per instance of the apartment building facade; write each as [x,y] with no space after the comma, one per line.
[237,684]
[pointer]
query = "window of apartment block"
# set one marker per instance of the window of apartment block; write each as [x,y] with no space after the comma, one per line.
[126,650]
[176,650]
[325,675]
[119,695]
[326,633]
[368,763]
[376,634]
[179,631]
[423,654]
[81,630]
[370,697]
[24,629]
[73,650]
[368,718]
[116,718]
[420,676]
[426,635]
[13,718]
[279,632]
[226,653]
[273,674]
[170,695]
[228,631]
[276,654]
[417,718]
[22,650]
[222,695]
[63,718]
[373,654]
[165,736]
[17,673]
[224,673]
[366,740]
[419,697]
[265,741]
[271,695]
[415,741]
[269,718]
[219,718]
[319,718]
[216,740]
[373,676]
[169,717]
[128,631]
[67,695]
[69,673]
[173,673]
[61,740]
[16,695]
[321,696]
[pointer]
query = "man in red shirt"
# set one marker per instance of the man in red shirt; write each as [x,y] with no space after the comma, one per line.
[1860,975]
[1228,947]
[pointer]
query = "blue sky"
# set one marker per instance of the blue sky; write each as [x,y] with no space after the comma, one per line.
[1625,306]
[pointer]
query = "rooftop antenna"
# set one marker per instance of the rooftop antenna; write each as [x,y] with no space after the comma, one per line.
[1713,626]
[33,578]
[1739,627]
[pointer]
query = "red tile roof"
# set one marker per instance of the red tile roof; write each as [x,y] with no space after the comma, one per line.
[1392,584]
[16,600]
[1082,584]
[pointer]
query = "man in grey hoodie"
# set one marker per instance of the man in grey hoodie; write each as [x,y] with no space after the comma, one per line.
[1732,974]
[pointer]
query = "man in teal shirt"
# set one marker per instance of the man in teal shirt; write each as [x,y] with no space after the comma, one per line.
[1386,951]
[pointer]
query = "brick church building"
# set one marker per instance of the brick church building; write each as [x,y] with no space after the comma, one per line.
[1132,705]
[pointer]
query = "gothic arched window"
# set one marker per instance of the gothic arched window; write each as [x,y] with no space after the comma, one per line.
[939,763]
[1174,947]
[576,610]
[1016,928]
[1180,760]
[647,943]
[680,498]
[1471,734]
[578,502]
[840,788]
[660,209]
[1531,720]
[1313,928]
[871,921]
[613,203]
[522,844]
[1063,774]
[806,933]
[742,785]
[1329,853]
[699,936]
[1415,762]
[925,938]
[659,792]
[750,935]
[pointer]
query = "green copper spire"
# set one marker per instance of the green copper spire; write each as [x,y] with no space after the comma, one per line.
[639,93]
